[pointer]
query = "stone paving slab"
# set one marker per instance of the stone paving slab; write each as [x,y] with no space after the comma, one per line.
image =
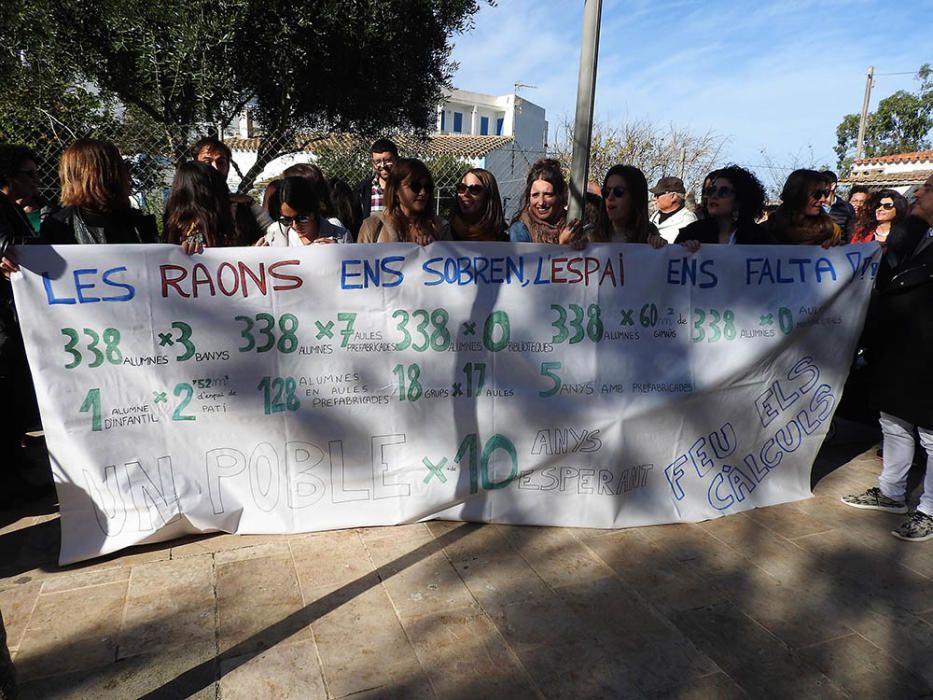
[807,599]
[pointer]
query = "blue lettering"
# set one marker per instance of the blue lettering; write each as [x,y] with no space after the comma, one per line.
[345,274]
[130,290]
[514,268]
[387,269]
[426,266]
[79,286]
[50,295]
[824,265]
[706,267]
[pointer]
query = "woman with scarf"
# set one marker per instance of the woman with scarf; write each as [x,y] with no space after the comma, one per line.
[542,217]
[477,211]
[408,216]
[801,220]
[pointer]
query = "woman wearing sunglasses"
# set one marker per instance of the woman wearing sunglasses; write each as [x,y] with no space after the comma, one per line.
[800,220]
[295,207]
[887,212]
[735,198]
[625,209]
[477,210]
[408,216]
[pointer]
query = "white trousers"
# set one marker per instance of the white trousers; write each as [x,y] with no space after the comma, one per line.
[898,456]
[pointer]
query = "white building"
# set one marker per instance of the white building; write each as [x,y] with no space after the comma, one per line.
[504,134]
[902,172]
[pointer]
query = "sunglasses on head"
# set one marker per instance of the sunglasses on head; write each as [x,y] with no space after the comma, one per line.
[287,221]
[617,191]
[719,191]
[885,205]
[463,188]
[416,187]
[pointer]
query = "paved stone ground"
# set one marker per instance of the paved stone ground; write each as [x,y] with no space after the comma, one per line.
[806,600]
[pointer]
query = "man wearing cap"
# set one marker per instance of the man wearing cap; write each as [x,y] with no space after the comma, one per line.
[671,215]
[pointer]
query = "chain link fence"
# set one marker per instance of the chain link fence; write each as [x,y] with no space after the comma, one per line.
[152,153]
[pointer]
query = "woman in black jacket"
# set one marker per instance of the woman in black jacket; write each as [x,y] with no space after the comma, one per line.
[96,200]
[734,199]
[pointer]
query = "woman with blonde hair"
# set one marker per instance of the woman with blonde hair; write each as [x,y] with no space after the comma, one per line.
[477,211]
[409,202]
[96,200]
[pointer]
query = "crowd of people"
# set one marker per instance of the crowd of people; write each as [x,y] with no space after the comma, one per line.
[397,204]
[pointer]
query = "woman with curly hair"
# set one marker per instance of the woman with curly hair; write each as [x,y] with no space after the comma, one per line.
[625,217]
[409,203]
[477,211]
[199,214]
[800,220]
[735,198]
[886,213]
[542,218]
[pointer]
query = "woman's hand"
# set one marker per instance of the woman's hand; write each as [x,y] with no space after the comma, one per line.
[9,264]
[572,236]
[191,247]
[691,246]
[424,239]
[656,241]
[261,242]
[325,241]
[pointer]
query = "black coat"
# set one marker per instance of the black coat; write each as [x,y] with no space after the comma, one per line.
[899,328]
[707,231]
[364,191]
[73,225]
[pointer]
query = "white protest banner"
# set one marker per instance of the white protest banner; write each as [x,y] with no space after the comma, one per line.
[289,390]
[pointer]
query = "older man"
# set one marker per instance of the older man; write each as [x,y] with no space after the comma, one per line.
[671,214]
[900,334]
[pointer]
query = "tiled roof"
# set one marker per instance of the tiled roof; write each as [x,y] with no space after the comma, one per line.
[441,145]
[911,177]
[897,158]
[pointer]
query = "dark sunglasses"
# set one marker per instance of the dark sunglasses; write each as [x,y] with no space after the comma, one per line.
[287,221]
[656,195]
[416,187]
[616,192]
[719,192]
[885,205]
[819,194]
[463,188]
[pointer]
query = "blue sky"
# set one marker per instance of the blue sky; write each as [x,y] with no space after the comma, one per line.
[776,77]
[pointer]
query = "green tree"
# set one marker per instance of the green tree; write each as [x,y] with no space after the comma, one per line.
[300,66]
[901,124]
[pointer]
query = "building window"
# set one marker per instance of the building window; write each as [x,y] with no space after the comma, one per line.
[484,126]
[443,120]
[458,122]
[499,122]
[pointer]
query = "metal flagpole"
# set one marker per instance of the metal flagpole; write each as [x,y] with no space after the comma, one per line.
[583,123]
